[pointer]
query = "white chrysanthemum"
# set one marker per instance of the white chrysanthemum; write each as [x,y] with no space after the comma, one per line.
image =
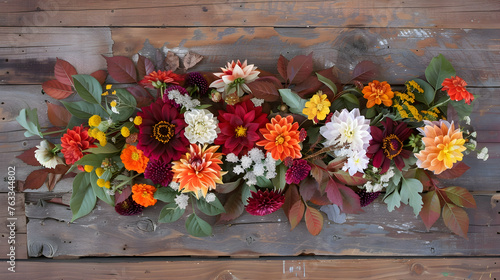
[210,197]
[347,128]
[258,169]
[45,156]
[356,163]
[238,169]
[246,162]
[256,155]
[257,101]
[202,126]
[370,187]
[182,200]
[231,157]
[174,186]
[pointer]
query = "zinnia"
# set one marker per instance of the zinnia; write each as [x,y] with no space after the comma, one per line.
[377,93]
[134,159]
[281,138]
[455,87]
[159,78]
[443,146]
[318,107]
[199,170]
[143,194]
[74,142]
[235,73]
[264,202]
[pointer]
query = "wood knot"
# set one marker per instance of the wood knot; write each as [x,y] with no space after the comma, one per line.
[417,269]
[146,225]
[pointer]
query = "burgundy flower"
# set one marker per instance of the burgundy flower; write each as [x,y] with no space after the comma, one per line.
[196,79]
[264,202]
[239,126]
[128,207]
[365,198]
[159,172]
[161,133]
[386,146]
[297,172]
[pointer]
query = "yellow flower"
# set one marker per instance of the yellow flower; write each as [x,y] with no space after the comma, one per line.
[95,120]
[101,137]
[88,168]
[107,185]
[317,107]
[113,103]
[101,182]
[113,92]
[412,85]
[108,87]
[138,120]
[99,171]
[125,131]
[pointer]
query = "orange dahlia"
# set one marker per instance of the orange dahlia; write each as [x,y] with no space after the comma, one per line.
[455,86]
[377,93]
[143,194]
[134,159]
[199,170]
[156,78]
[443,146]
[281,138]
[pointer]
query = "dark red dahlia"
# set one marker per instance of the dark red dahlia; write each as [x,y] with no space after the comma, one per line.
[128,207]
[365,198]
[159,172]
[264,202]
[387,145]
[239,126]
[74,142]
[161,134]
[196,79]
[297,172]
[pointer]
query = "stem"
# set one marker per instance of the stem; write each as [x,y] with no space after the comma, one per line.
[439,104]
[324,150]
[53,132]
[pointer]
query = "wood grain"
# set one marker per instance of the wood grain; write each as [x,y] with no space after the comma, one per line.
[358,13]
[17,237]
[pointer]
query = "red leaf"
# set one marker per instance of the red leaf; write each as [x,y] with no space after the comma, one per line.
[228,187]
[60,169]
[299,68]
[308,187]
[58,115]
[122,69]
[308,87]
[144,66]
[314,221]
[296,213]
[100,76]
[142,96]
[318,171]
[460,197]
[354,180]
[28,157]
[291,196]
[320,199]
[234,207]
[120,197]
[56,90]
[431,210]
[35,179]
[264,90]
[456,219]
[336,164]
[172,61]
[64,72]
[456,171]
[333,193]
[191,59]
[365,71]
[350,200]
[282,66]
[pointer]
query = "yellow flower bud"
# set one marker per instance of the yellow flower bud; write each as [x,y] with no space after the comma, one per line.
[88,168]
[113,103]
[95,120]
[138,120]
[99,171]
[107,185]
[125,131]
[101,182]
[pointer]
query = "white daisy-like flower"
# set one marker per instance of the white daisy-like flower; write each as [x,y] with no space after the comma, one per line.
[256,155]
[356,163]
[174,186]
[210,197]
[257,101]
[231,157]
[347,128]
[246,162]
[182,200]
[202,126]
[45,157]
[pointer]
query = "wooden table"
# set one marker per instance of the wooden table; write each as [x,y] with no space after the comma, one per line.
[401,36]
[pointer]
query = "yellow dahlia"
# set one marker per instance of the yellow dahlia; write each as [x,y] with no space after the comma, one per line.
[318,107]
[443,146]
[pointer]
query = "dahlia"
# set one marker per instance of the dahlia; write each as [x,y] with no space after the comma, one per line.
[74,142]
[128,207]
[455,87]
[377,93]
[356,162]
[387,145]
[134,159]
[443,146]
[157,79]
[318,107]
[281,138]
[199,170]
[239,127]
[196,79]
[297,172]
[159,172]
[264,202]
[161,133]
[45,156]
[144,194]
[235,74]
[202,126]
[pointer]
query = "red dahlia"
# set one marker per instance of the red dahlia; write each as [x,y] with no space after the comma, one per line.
[163,77]
[455,87]
[74,142]
[161,133]
[264,202]
[239,126]
[297,172]
[159,172]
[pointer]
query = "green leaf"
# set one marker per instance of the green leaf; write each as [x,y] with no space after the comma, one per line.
[28,118]
[92,159]
[279,181]
[393,200]
[83,198]
[351,98]
[100,192]
[370,112]
[197,226]
[439,69]
[410,194]
[213,208]
[126,107]
[428,96]
[263,182]
[294,102]
[166,194]
[463,109]
[83,109]
[331,85]
[170,213]
[228,187]
[108,149]
[88,88]
[246,193]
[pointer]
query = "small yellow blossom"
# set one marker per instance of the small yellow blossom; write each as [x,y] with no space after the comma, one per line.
[108,86]
[113,103]
[317,107]
[95,120]
[125,131]
[88,168]
[138,120]
[99,171]
[101,182]
[107,185]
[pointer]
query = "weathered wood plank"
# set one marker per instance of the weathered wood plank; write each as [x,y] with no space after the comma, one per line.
[299,268]
[13,230]
[358,13]
[20,250]
[373,233]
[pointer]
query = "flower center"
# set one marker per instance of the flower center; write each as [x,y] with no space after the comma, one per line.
[135,156]
[197,163]
[163,131]
[241,131]
[280,140]
[319,106]
[392,146]
[450,152]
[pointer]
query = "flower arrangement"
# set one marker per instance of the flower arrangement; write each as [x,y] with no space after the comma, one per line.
[241,140]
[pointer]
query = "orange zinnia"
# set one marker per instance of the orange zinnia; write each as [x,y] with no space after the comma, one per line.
[443,146]
[144,194]
[377,93]
[199,170]
[134,159]
[281,138]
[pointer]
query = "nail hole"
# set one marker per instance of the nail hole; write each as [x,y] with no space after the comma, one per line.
[2,103]
[6,60]
[7,72]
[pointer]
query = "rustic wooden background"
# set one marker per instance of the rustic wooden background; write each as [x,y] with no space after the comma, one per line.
[402,36]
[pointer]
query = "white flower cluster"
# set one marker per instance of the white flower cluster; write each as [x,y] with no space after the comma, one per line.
[202,126]
[483,154]
[255,164]
[210,197]
[183,99]
[372,186]
[174,186]
[182,200]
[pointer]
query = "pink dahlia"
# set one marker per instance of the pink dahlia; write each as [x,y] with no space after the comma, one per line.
[159,172]
[74,142]
[235,73]
[264,202]
[161,133]
[297,172]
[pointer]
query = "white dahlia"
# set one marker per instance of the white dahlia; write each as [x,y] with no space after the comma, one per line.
[347,128]
[202,126]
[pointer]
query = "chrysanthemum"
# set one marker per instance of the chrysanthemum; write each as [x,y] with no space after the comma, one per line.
[455,87]
[264,202]
[157,78]
[239,127]
[45,156]
[377,93]
[236,73]
[347,128]
[196,79]
[161,133]
[202,126]
[318,107]
[443,146]
[281,138]
[199,170]
[297,172]
[128,207]
[387,145]
[134,159]
[143,194]
[74,142]
[159,172]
